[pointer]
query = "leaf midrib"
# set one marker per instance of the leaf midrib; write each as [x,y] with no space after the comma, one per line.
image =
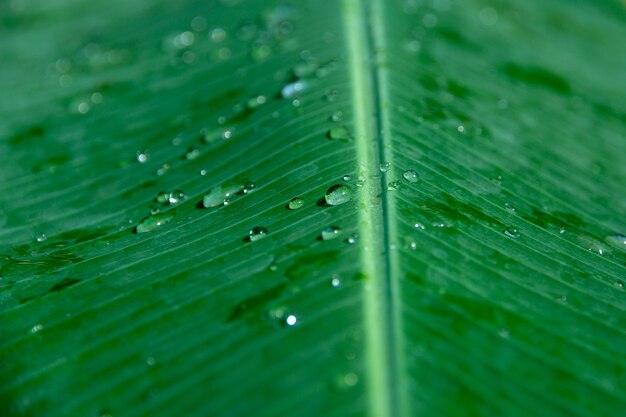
[365,39]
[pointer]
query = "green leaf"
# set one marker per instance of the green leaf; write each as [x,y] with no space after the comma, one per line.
[343,208]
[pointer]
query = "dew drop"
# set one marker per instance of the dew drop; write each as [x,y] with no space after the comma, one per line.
[295,203]
[411,176]
[419,226]
[512,232]
[152,222]
[338,194]
[221,195]
[360,181]
[293,89]
[353,238]
[346,178]
[257,233]
[248,187]
[336,116]
[36,328]
[175,197]
[592,245]
[256,102]
[339,133]
[344,381]
[618,241]
[335,281]
[330,232]
[164,168]
[192,153]
[41,238]
[394,185]
[385,166]
[143,156]
[291,320]
[619,284]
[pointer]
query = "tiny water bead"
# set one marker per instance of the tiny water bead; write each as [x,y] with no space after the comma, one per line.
[411,176]
[295,203]
[41,238]
[511,232]
[291,320]
[330,232]
[257,233]
[153,221]
[192,153]
[248,187]
[338,133]
[143,156]
[346,178]
[335,281]
[256,102]
[338,194]
[385,166]
[353,238]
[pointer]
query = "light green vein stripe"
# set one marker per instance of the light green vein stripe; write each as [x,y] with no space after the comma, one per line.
[385,376]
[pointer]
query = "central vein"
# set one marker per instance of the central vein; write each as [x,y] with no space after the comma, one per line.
[365,37]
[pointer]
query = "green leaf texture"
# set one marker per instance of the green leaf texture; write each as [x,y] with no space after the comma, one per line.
[151,263]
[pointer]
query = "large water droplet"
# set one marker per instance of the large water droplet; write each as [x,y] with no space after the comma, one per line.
[295,203]
[617,241]
[257,233]
[338,133]
[411,176]
[338,194]
[152,222]
[293,89]
[330,232]
[221,195]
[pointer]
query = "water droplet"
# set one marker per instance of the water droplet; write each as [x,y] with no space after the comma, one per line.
[338,194]
[257,233]
[411,176]
[331,94]
[295,203]
[227,134]
[394,185]
[291,320]
[336,116]
[339,133]
[619,284]
[175,197]
[335,281]
[504,333]
[412,245]
[344,381]
[509,208]
[41,238]
[203,172]
[143,156]
[360,181]
[293,89]
[164,168]
[385,166]
[256,102]
[218,35]
[36,328]
[419,226]
[151,222]
[512,232]
[150,361]
[592,245]
[346,178]
[330,232]
[221,195]
[192,153]
[617,241]
[353,238]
